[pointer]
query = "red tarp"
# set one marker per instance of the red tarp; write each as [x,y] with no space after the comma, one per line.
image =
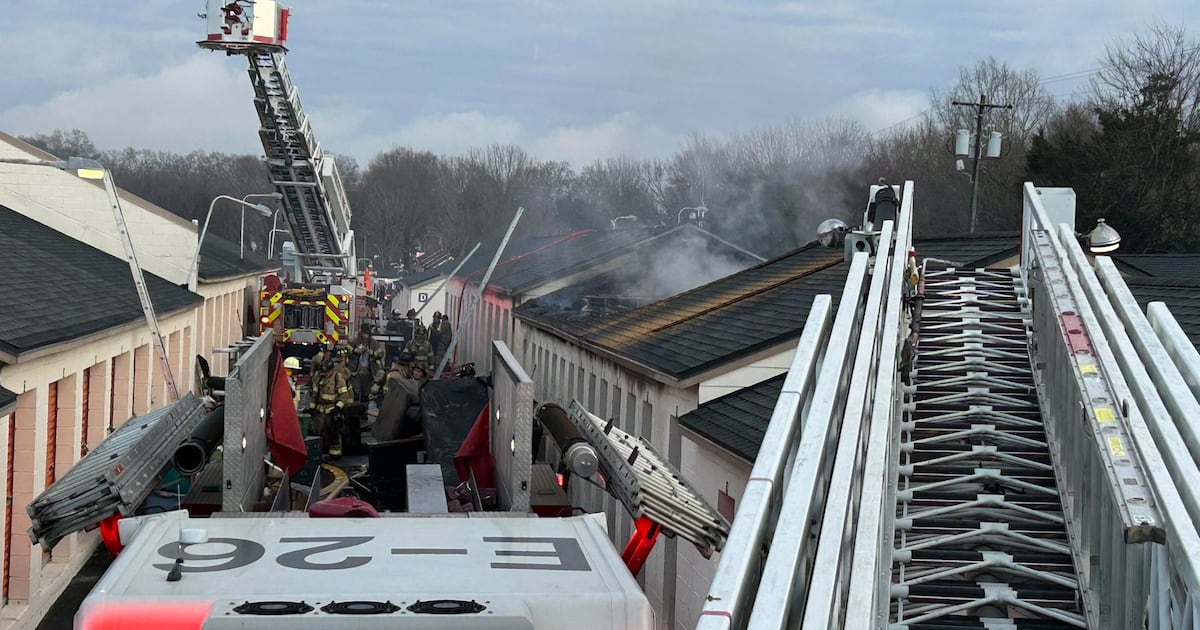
[283,425]
[475,453]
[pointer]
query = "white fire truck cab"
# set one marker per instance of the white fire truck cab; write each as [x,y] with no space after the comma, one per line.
[396,572]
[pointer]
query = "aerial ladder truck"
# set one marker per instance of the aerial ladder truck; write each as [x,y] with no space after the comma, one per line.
[321,299]
[995,448]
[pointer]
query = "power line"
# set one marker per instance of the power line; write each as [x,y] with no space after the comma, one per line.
[906,120]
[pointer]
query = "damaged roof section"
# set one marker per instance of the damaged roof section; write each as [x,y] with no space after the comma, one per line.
[59,289]
[599,251]
[685,336]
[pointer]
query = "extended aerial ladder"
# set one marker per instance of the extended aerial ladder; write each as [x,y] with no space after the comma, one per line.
[995,448]
[314,199]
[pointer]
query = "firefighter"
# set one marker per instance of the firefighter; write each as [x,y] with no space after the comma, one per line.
[445,335]
[366,365]
[291,365]
[401,369]
[333,395]
[318,364]
[422,353]
[435,334]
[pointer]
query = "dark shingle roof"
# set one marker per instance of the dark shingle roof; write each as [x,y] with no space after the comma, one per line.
[414,279]
[1181,295]
[566,255]
[739,314]
[1161,265]
[980,249]
[482,258]
[221,259]
[57,289]
[563,257]
[8,400]
[737,421]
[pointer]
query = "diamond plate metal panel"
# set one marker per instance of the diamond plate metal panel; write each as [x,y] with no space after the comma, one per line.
[512,429]
[245,444]
[116,476]
[648,485]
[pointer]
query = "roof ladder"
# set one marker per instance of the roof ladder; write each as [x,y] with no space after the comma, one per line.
[139,280]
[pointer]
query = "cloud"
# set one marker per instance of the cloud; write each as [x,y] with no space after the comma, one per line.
[621,135]
[363,134]
[570,81]
[878,109]
[199,103]
[458,132]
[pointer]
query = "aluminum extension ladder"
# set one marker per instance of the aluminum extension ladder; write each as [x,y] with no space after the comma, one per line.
[139,280]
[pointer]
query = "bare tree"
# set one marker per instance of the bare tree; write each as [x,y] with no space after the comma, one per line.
[1032,104]
[401,191]
[1127,65]
[64,144]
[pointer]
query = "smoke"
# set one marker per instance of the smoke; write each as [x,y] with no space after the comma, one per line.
[682,261]
[767,189]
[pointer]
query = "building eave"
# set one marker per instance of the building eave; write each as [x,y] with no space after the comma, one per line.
[71,344]
[602,352]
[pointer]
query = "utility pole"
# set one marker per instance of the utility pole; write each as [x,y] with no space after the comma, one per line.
[980,108]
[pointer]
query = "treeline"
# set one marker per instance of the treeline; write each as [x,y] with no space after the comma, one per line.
[1126,142]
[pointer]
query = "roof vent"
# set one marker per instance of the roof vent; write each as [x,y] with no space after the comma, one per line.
[447,607]
[360,608]
[273,608]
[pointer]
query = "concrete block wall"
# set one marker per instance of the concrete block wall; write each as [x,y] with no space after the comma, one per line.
[118,371]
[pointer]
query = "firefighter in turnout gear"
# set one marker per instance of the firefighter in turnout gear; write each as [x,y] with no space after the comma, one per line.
[333,394]
[367,363]
[419,348]
[401,369]
[439,336]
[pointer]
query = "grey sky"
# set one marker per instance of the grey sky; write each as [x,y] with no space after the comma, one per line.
[568,79]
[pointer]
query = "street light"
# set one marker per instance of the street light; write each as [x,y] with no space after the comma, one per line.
[242,235]
[271,237]
[265,211]
[623,218]
[699,210]
[1103,238]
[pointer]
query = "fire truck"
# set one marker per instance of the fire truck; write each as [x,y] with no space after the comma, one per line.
[306,313]
[321,296]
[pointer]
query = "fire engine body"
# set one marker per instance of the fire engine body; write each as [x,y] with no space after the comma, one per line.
[393,572]
[307,314]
